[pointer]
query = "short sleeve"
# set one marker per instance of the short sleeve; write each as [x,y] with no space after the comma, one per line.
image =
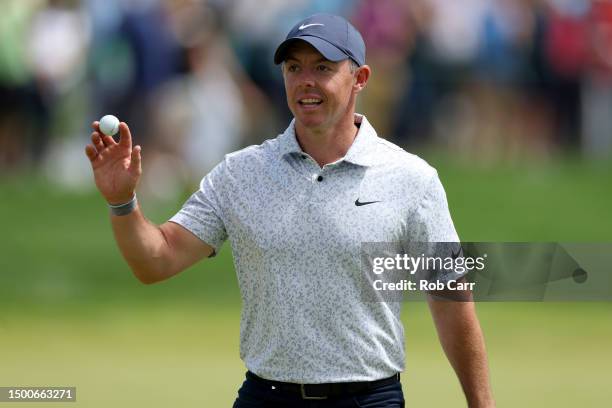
[202,213]
[436,235]
[435,222]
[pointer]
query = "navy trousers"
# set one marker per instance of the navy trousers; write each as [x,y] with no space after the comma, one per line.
[255,394]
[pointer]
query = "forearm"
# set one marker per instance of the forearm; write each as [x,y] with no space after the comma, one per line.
[153,252]
[463,342]
[142,244]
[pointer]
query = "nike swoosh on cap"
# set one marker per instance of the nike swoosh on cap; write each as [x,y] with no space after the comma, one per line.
[303,26]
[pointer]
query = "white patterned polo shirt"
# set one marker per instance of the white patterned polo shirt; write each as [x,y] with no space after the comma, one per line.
[296,231]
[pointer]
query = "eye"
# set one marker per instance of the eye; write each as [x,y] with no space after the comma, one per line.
[292,68]
[323,68]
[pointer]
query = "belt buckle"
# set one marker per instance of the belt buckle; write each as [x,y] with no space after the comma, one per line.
[306,397]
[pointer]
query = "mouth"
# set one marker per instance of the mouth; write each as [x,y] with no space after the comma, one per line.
[310,102]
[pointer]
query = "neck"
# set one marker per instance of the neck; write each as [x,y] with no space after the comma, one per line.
[327,145]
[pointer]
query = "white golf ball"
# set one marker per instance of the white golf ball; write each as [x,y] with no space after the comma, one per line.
[109,125]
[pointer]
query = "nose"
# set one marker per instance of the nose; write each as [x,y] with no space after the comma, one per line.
[306,78]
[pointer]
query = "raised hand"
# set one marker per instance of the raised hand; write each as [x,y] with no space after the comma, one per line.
[116,166]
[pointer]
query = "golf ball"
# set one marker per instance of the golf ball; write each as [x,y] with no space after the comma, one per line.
[109,125]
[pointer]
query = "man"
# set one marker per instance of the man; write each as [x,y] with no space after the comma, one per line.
[296,210]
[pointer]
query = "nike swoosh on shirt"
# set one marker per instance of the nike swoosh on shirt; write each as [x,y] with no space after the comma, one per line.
[303,26]
[360,203]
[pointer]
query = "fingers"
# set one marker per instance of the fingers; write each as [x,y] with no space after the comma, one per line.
[97,141]
[136,161]
[101,141]
[106,140]
[91,152]
[126,136]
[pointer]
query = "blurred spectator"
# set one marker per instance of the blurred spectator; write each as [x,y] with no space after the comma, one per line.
[148,56]
[389,36]
[21,109]
[58,43]
[597,86]
[203,114]
[505,86]
[43,62]
[256,27]
[566,48]
[447,41]
[195,78]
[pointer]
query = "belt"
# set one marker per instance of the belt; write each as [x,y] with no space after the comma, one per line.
[323,391]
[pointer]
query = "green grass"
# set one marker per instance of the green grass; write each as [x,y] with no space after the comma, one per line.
[185,355]
[560,200]
[72,313]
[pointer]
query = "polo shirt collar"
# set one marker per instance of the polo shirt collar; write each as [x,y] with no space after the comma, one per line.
[360,153]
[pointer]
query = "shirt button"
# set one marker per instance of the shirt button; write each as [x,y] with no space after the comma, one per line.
[320,178]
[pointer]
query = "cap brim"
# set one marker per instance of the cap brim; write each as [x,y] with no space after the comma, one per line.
[328,50]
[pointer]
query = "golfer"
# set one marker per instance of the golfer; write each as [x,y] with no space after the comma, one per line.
[296,210]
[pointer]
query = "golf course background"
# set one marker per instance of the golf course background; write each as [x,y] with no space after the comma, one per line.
[73,315]
[509,100]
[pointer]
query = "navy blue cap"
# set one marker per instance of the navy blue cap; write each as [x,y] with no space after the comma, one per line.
[334,37]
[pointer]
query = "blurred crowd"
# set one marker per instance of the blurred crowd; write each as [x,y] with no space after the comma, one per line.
[194,79]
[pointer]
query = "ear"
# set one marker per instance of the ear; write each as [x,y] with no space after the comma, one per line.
[361,77]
